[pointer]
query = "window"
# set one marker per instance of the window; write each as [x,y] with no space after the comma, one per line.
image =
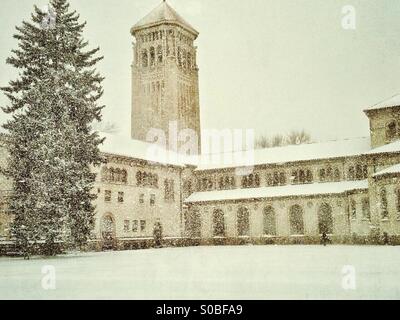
[114,175]
[135,226]
[322,175]
[218,223]
[146,179]
[398,203]
[142,225]
[169,192]
[351,175]
[296,220]
[353,210]
[309,176]
[152,199]
[251,181]
[325,219]
[141,198]
[145,59]
[107,196]
[126,226]
[269,221]
[243,222]
[366,213]
[120,197]
[391,130]
[337,175]
[384,204]
[159,54]
[152,56]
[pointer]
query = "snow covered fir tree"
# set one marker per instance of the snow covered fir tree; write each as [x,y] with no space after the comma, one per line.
[49,138]
[347,189]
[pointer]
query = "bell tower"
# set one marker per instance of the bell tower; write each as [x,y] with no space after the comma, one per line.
[165,86]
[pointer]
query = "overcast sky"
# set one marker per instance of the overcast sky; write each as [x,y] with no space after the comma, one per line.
[271,65]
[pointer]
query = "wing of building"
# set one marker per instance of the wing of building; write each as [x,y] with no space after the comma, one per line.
[348,189]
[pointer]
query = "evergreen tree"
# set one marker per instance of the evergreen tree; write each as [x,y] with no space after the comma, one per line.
[51,143]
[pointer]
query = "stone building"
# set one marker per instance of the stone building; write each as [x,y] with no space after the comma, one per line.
[348,189]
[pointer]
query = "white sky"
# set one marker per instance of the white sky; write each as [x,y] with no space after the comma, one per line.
[271,65]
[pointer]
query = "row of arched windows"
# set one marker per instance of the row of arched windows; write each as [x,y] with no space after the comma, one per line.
[251,181]
[365,208]
[152,56]
[115,175]
[276,179]
[296,221]
[329,174]
[185,59]
[226,182]
[205,184]
[302,176]
[358,172]
[145,179]
[153,36]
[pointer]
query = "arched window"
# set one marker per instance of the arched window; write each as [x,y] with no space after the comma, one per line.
[159,54]
[124,176]
[384,204]
[145,59]
[365,171]
[139,178]
[179,57]
[322,175]
[366,213]
[189,60]
[391,130]
[218,223]
[309,176]
[329,174]
[296,220]
[243,222]
[112,175]
[269,221]
[302,176]
[398,203]
[359,172]
[193,224]
[353,209]
[117,175]
[337,175]
[276,179]
[152,56]
[325,219]
[282,179]
[351,175]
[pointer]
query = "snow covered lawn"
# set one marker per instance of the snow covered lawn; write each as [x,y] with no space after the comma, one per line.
[247,272]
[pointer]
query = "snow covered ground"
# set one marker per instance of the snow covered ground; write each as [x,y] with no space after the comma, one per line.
[247,272]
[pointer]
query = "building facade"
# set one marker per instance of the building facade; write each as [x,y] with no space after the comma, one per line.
[347,189]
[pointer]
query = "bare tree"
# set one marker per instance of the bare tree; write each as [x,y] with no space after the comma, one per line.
[292,138]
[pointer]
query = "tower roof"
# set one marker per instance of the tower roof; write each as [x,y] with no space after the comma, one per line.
[164,13]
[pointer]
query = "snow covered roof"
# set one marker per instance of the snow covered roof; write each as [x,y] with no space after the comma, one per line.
[391,102]
[303,152]
[387,148]
[278,192]
[163,14]
[391,170]
[127,147]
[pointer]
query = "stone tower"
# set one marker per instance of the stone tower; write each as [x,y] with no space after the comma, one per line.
[165,87]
